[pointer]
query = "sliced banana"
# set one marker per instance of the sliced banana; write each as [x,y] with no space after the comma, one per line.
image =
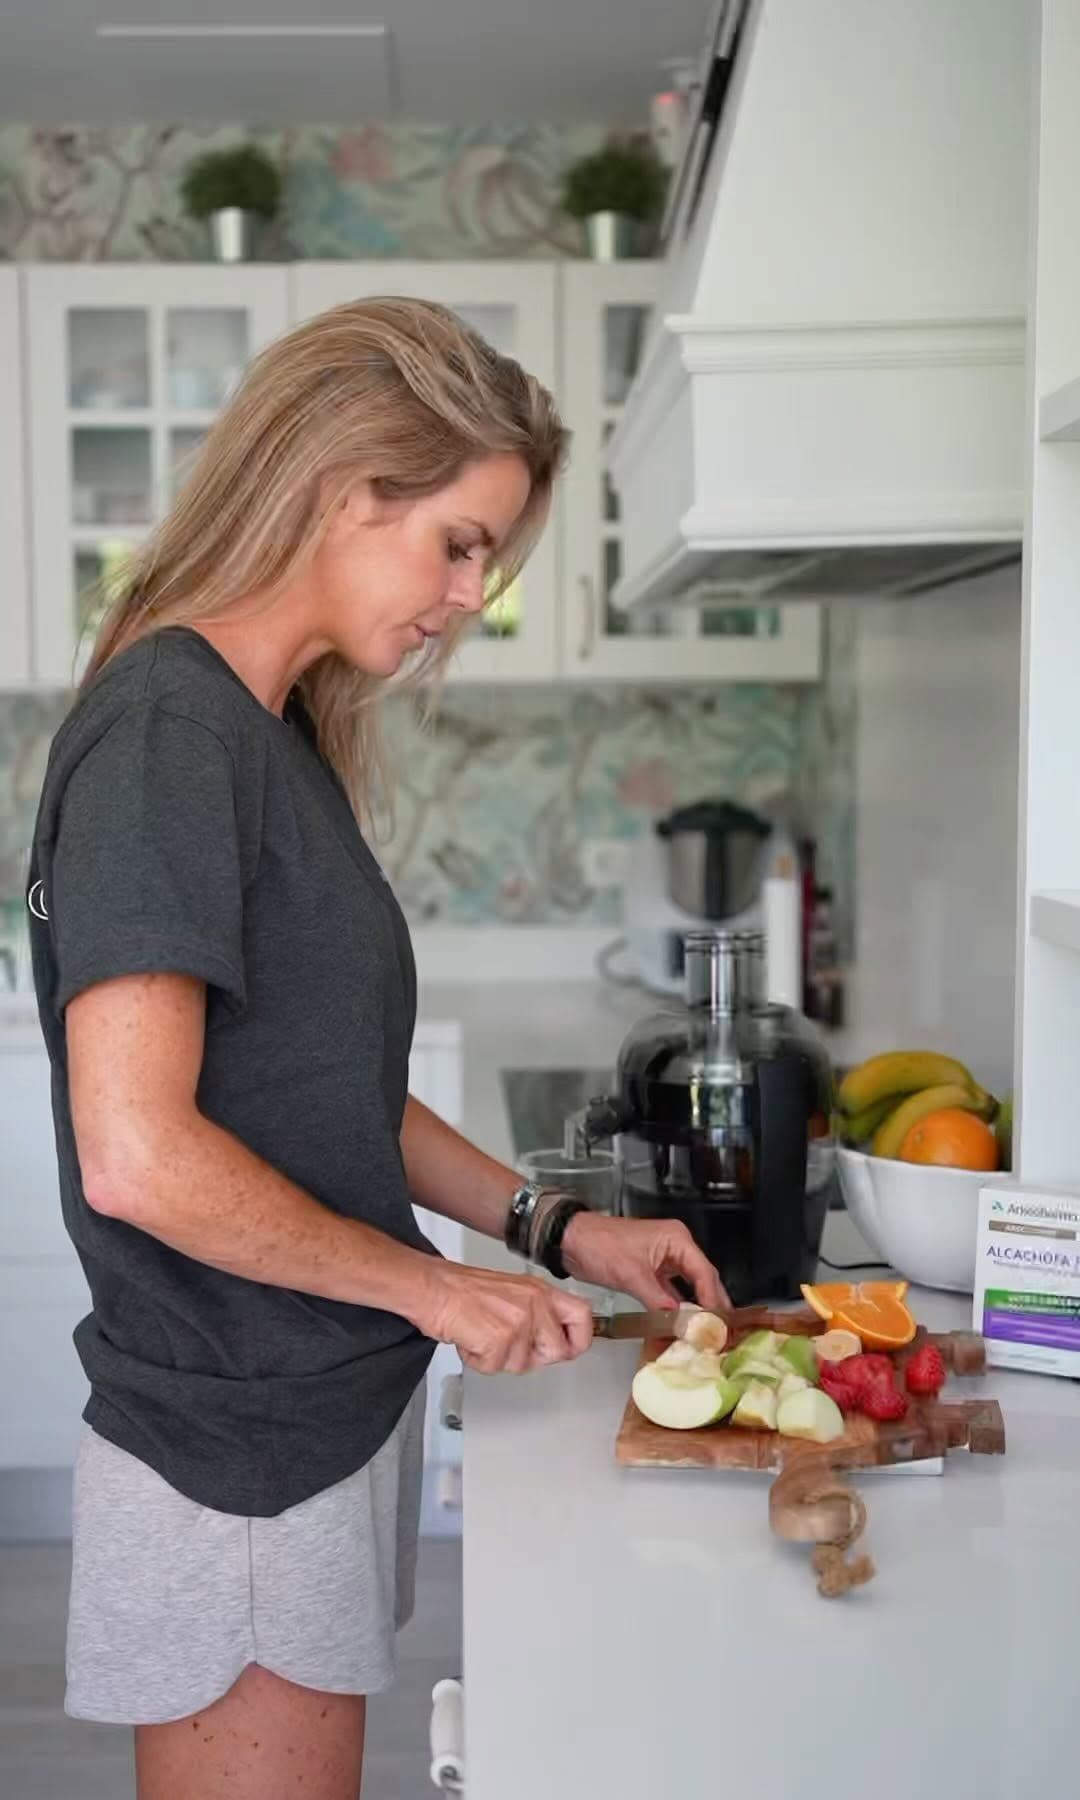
[836,1345]
[705,1331]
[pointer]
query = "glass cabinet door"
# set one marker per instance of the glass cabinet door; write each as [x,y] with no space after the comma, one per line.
[206,348]
[512,305]
[129,367]
[606,322]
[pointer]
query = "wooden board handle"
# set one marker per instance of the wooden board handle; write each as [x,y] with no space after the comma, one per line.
[977,1423]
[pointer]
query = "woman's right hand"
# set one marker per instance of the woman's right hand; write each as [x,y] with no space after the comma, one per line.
[502,1324]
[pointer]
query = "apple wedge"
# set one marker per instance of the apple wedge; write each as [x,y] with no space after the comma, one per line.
[756,1408]
[676,1399]
[810,1414]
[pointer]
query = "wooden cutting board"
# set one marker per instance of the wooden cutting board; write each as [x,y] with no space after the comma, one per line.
[930,1428]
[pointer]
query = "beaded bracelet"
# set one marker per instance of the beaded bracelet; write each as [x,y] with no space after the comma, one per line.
[550,1232]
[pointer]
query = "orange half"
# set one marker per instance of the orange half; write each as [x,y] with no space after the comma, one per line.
[882,1321]
[828,1298]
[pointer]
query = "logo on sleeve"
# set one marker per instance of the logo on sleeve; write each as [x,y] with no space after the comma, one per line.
[35,900]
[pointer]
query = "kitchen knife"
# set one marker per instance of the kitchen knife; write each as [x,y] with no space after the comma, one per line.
[669,1324]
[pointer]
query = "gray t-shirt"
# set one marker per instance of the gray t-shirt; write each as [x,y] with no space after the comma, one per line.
[183,826]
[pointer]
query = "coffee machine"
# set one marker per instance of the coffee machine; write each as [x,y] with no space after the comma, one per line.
[721,1117]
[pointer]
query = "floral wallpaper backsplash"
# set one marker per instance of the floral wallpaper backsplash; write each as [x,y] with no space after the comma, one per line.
[74,194]
[497,796]
[494,802]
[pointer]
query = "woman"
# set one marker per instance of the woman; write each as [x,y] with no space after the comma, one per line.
[228,995]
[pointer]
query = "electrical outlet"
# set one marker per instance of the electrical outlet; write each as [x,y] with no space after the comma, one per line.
[605,861]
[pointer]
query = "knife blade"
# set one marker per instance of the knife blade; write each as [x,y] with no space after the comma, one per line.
[672,1323]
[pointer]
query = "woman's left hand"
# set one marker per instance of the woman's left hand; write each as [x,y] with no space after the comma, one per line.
[641,1257]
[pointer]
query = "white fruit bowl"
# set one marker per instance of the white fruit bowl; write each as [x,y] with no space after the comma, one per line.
[919,1219]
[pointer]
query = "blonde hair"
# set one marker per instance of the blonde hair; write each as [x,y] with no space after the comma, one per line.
[400,390]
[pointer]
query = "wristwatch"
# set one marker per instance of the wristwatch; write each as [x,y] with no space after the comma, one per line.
[519,1218]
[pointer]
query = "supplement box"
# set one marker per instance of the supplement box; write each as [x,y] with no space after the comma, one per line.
[1027,1279]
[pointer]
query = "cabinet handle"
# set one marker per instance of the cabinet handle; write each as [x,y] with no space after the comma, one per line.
[588,617]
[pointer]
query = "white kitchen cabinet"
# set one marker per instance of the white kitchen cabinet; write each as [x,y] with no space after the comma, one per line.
[15,665]
[1048,974]
[605,318]
[127,368]
[513,305]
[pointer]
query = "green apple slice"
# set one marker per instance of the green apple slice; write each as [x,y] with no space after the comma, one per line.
[792,1384]
[679,1378]
[801,1356]
[810,1414]
[762,1344]
[757,1407]
[759,1370]
[663,1396]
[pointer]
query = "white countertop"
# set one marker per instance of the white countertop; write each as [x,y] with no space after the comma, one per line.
[640,1634]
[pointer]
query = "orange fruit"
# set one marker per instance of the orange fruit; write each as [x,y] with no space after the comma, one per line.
[951,1139]
[827,1297]
[881,1320]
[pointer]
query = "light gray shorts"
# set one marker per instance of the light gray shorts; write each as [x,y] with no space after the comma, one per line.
[170,1600]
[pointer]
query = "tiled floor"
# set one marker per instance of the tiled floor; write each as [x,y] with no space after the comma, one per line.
[45,1756]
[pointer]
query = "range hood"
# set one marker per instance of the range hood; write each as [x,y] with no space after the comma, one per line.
[831,400]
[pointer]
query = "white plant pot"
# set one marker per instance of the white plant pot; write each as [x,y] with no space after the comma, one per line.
[611,236]
[232,234]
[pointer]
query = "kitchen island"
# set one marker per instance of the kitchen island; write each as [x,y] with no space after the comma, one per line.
[640,1634]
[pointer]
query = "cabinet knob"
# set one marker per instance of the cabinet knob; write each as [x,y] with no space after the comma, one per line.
[588,617]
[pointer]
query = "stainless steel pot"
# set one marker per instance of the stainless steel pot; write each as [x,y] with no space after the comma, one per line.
[714,858]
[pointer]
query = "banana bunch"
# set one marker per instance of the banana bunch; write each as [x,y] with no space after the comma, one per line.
[879,1102]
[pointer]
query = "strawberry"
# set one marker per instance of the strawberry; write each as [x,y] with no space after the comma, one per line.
[857,1371]
[865,1384]
[925,1371]
[882,1401]
[839,1386]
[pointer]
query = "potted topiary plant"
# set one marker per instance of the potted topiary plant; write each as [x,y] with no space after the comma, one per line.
[617,192]
[232,190]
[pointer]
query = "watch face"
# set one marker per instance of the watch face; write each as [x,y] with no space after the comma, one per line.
[522,1207]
